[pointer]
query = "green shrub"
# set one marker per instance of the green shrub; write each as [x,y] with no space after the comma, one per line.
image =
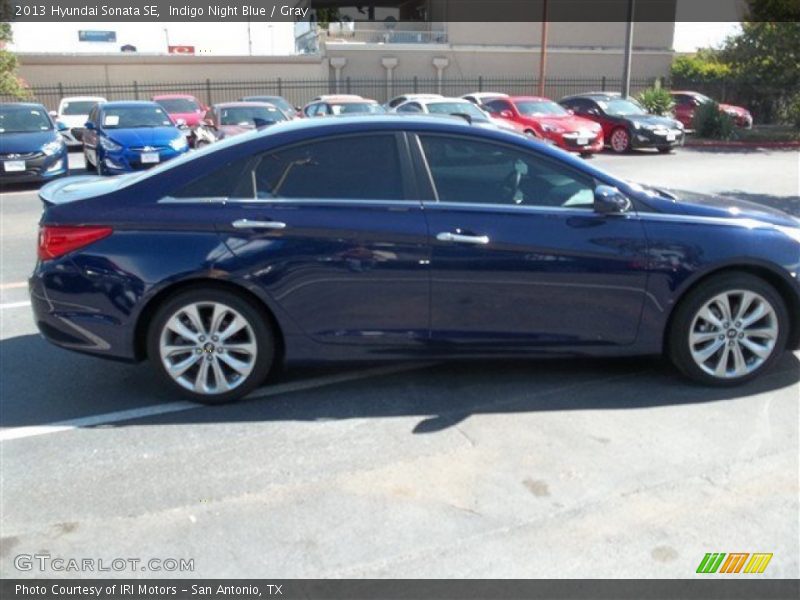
[710,122]
[657,101]
[792,111]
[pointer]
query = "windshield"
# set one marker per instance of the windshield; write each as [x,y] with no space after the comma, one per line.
[540,107]
[23,119]
[702,99]
[132,117]
[451,108]
[281,103]
[79,107]
[349,108]
[244,116]
[179,105]
[621,108]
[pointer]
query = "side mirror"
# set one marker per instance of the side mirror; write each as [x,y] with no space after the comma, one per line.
[88,125]
[180,122]
[506,114]
[53,113]
[261,123]
[609,200]
[61,126]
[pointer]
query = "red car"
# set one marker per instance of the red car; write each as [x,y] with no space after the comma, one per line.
[686,104]
[543,118]
[182,107]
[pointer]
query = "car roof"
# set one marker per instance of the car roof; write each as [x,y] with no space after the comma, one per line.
[337,97]
[83,98]
[244,103]
[529,98]
[173,96]
[131,103]
[348,100]
[486,95]
[23,104]
[594,96]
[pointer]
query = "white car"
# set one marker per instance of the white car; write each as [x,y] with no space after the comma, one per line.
[74,112]
[481,98]
[398,100]
[454,106]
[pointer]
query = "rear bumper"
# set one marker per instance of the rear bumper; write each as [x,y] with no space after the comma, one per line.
[91,321]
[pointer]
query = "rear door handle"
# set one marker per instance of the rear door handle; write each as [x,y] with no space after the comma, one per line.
[248,224]
[458,238]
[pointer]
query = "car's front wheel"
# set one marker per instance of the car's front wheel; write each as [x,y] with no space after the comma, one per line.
[211,345]
[728,330]
[620,140]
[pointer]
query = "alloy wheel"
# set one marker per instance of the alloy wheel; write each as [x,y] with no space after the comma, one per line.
[733,334]
[619,140]
[208,348]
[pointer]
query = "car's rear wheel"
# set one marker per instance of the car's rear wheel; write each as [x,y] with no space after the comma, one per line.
[620,140]
[211,345]
[728,330]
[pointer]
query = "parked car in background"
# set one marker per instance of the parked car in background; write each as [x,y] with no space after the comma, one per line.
[232,118]
[626,124]
[282,103]
[73,112]
[544,119]
[130,136]
[453,107]
[31,148]
[398,100]
[183,109]
[686,103]
[481,98]
[327,239]
[326,106]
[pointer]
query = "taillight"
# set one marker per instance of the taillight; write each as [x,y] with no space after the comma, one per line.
[57,241]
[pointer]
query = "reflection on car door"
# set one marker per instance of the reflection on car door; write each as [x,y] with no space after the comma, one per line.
[519,256]
[330,234]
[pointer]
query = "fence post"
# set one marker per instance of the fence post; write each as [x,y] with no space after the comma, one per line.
[603,84]
[60,91]
[480,83]
[280,87]
[208,92]
[136,90]
[348,84]
[416,84]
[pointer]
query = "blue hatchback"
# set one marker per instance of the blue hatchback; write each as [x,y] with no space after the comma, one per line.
[31,148]
[130,136]
[396,238]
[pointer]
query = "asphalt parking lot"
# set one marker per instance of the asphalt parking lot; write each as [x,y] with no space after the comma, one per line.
[579,468]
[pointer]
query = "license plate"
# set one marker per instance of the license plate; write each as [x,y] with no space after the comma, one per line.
[670,137]
[149,157]
[583,141]
[14,165]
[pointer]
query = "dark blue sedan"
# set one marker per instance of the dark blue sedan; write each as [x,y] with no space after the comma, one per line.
[395,238]
[31,148]
[130,136]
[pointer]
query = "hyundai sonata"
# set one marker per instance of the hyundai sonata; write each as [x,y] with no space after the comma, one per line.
[395,238]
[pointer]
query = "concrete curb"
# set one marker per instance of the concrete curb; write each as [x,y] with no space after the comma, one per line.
[739,144]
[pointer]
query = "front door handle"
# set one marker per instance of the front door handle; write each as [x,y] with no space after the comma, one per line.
[458,238]
[248,224]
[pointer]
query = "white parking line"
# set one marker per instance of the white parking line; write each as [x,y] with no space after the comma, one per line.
[18,193]
[13,285]
[15,304]
[16,433]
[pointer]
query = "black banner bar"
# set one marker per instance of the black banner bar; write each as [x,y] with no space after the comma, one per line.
[363,10]
[734,587]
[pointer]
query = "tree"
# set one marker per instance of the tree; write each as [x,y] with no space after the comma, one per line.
[10,83]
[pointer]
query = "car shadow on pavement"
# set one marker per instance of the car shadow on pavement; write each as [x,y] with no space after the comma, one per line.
[41,384]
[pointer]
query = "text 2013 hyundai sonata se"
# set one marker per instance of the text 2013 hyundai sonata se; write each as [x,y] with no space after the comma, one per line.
[398,238]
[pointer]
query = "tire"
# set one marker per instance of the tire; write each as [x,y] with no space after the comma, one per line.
[701,329]
[665,149]
[620,140]
[90,168]
[203,372]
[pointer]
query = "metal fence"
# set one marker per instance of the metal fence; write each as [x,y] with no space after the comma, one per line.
[300,91]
